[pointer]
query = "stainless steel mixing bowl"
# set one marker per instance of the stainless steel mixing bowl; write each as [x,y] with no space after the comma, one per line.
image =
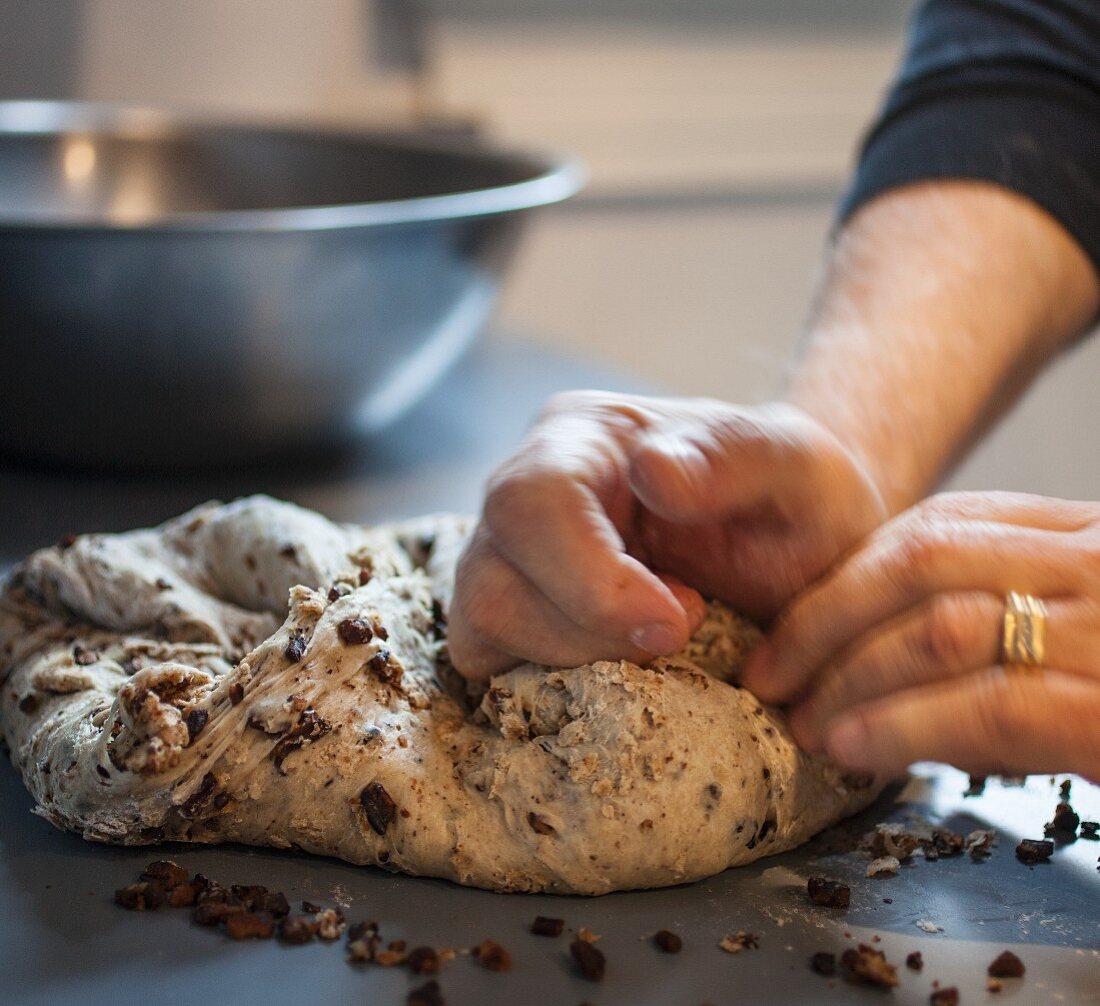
[178,293]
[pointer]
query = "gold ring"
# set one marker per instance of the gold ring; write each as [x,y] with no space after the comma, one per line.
[1025,629]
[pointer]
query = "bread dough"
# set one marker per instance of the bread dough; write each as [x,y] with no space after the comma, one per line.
[155,686]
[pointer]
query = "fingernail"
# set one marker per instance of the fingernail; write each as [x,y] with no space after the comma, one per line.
[658,638]
[850,744]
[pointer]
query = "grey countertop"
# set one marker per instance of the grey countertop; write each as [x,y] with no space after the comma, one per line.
[61,939]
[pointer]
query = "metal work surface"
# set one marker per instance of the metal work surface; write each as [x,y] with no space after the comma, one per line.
[62,940]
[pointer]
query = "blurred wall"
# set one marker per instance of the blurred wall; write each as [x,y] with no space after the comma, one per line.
[275,58]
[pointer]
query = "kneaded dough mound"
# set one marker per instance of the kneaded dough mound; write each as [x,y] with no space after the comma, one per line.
[156,687]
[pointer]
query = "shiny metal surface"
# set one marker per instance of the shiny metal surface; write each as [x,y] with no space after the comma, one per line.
[175,293]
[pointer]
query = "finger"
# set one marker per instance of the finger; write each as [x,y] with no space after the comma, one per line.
[548,515]
[946,636]
[499,619]
[894,572]
[992,722]
[1022,509]
[949,635]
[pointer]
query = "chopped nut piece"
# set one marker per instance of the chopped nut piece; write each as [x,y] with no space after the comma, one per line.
[84,656]
[823,963]
[250,926]
[184,896]
[867,966]
[586,934]
[544,926]
[493,956]
[944,997]
[914,962]
[423,961]
[884,866]
[330,923]
[1034,850]
[828,893]
[389,958]
[144,897]
[891,840]
[166,873]
[212,913]
[236,693]
[738,942]
[297,929]
[994,985]
[980,842]
[428,994]
[590,960]
[1006,965]
[668,941]
[354,632]
[379,807]
[312,909]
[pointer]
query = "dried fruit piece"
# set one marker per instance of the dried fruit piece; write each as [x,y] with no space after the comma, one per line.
[379,807]
[823,963]
[828,893]
[492,956]
[250,926]
[539,824]
[1065,821]
[544,926]
[429,994]
[590,960]
[915,961]
[295,648]
[143,897]
[1034,850]
[1006,965]
[944,997]
[668,941]
[423,961]
[354,632]
[297,929]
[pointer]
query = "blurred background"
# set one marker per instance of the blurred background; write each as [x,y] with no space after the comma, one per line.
[717,133]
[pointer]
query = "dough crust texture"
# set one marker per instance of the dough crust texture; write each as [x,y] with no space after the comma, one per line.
[158,686]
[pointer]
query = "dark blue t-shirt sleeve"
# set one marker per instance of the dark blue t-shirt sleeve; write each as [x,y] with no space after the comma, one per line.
[1004,91]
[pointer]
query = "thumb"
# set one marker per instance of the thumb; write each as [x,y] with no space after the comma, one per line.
[734,460]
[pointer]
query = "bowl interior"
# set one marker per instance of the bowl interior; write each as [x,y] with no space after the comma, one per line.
[112,174]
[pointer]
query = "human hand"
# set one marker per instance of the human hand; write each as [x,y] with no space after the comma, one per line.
[893,656]
[617,514]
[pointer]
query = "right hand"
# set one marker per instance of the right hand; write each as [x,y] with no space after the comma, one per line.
[600,537]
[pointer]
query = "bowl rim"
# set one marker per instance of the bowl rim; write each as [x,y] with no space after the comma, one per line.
[554,177]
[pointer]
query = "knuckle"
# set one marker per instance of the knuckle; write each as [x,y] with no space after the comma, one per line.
[917,549]
[947,633]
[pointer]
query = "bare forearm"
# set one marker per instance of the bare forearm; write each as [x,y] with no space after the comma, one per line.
[940,304]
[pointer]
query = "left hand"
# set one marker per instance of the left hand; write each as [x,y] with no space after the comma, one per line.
[894,655]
